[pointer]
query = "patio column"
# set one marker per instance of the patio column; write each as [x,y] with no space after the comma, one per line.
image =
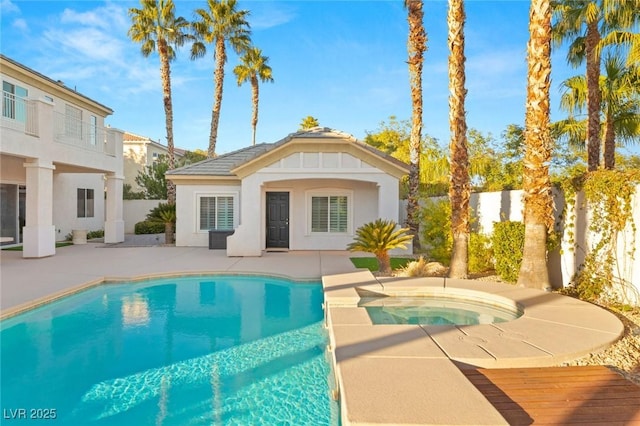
[39,235]
[247,237]
[388,190]
[114,222]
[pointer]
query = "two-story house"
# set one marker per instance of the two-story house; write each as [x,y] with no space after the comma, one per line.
[140,152]
[61,169]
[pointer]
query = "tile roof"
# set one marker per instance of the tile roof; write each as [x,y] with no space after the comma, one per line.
[223,164]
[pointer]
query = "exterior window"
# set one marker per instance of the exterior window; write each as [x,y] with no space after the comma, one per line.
[85,202]
[216,213]
[73,122]
[329,213]
[93,134]
[14,102]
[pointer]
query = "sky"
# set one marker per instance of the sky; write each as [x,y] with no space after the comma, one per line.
[342,62]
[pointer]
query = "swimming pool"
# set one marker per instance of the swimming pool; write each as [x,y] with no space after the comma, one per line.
[173,351]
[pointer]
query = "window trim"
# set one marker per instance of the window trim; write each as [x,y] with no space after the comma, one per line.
[328,192]
[86,200]
[233,194]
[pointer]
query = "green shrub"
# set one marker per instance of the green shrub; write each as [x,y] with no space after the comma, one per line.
[435,225]
[507,240]
[149,227]
[95,234]
[480,253]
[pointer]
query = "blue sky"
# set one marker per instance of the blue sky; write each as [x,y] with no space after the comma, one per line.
[342,62]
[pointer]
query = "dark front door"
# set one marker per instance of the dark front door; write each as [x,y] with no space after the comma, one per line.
[277,220]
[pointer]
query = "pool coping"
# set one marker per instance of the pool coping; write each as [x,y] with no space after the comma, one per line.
[36,303]
[371,360]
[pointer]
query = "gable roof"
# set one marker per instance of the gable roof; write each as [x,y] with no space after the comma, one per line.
[245,160]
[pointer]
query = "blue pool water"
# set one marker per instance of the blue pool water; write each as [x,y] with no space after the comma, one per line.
[182,351]
[435,310]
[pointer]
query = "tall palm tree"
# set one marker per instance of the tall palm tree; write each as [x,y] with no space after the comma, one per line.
[220,24]
[459,191]
[623,16]
[416,46]
[538,216]
[253,68]
[157,28]
[620,88]
[579,21]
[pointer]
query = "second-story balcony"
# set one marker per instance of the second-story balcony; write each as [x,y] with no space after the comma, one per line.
[23,115]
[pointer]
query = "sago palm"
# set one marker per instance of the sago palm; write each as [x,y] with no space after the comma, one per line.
[253,68]
[459,191]
[157,28]
[221,23]
[538,216]
[378,237]
[416,46]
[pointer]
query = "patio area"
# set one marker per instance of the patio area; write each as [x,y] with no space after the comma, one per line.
[386,374]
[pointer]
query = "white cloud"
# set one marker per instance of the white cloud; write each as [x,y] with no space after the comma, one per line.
[270,17]
[109,17]
[20,24]
[6,7]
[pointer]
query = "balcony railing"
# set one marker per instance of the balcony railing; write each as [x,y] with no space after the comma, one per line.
[82,134]
[22,114]
[19,114]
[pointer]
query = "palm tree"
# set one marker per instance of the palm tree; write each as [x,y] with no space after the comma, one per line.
[579,21]
[157,28]
[623,16]
[309,122]
[219,24]
[620,88]
[416,46]
[538,216]
[378,237]
[253,68]
[459,191]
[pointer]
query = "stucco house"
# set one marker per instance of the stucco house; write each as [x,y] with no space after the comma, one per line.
[308,191]
[140,152]
[60,167]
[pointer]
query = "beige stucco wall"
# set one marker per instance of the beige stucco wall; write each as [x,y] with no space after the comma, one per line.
[65,213]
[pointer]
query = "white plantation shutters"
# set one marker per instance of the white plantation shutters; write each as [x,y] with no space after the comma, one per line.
[329,213]
[216,213]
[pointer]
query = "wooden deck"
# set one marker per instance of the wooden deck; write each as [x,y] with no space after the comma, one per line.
[560,395]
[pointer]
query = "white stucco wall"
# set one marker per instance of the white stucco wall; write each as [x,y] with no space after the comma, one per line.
[135,211]
[491,207]
[65,208]
[187,227]
[363,206]
[374,194]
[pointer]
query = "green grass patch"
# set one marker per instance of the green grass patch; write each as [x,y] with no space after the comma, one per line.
[19,248]
[371,263]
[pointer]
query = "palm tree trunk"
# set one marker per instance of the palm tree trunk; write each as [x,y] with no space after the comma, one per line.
[538,216]
[593,96]
[255,93]
[459,191]
[416,47]
[609,143]
[165,75]
[218,77]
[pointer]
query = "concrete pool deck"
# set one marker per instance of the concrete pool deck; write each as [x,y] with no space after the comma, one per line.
[387,374]
[371,360]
